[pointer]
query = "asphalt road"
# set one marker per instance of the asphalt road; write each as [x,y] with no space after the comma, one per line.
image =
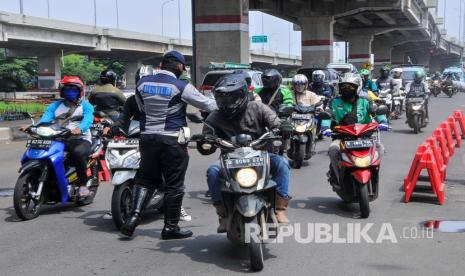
[73,240]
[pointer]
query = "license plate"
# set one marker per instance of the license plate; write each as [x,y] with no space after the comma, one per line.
[129,142]
[38,144]
[299,116]
[359,144]
[245,162]
[419,99]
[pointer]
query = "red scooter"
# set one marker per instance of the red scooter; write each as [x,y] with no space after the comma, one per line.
[359,167]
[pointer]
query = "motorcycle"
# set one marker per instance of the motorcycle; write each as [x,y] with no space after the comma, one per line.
[123,159]
[435,87]
[302,142]
[387,98]
[359,164]
[249,194]
[46,176]
[416,113]
[449,89]
[398,101]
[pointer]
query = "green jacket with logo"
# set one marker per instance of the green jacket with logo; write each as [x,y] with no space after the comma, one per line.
[341,109]
[286,95]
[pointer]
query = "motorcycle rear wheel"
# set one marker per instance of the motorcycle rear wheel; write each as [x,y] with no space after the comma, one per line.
[22,199]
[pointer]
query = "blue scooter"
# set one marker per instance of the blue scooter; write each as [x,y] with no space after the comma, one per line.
[46,177]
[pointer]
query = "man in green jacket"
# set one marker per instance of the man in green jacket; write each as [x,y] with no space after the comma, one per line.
[272,93]
[106,97]
[343,114]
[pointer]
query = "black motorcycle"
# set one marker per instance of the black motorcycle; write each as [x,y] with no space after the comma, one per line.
[416,112]
[249,194]
[449,89]
[435,87]
[302,142]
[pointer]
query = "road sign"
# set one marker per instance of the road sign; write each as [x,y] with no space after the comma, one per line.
[259,39]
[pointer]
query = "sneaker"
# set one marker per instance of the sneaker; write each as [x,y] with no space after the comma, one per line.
[184,215]
[107,216]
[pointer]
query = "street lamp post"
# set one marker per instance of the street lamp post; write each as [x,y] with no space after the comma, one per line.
[179,18]
[95,13]
[163,17]
[117,15]
[21,7]
[48,9]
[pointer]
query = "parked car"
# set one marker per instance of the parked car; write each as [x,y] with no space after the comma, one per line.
[331,76]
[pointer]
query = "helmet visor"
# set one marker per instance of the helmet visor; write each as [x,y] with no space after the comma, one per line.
[228,101]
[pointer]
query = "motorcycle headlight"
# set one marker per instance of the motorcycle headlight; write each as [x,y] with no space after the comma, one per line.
[112,160]
[132,161]
[45,131]
[416,107]
[300,128]
[246,177]
[362,162]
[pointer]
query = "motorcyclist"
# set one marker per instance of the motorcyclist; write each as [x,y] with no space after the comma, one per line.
[238,115]
[79,143]
[397,79]
[132,112]
[319,86]
[272,93]
[419,88]
[367,85]
[303,96]
[349,109]
[385,81]
[106,97]
[163,100]
[436,76]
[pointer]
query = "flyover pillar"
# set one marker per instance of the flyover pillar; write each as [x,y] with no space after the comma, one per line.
[131,69]
[382,52]
[49,72]
[398,56]
[317,40]
[221,33]
[360,49]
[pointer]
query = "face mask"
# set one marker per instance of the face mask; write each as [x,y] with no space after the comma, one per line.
[71,94]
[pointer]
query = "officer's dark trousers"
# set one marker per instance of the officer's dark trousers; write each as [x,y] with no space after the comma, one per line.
[162,158]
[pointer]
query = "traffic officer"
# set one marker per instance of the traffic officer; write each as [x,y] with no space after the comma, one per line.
[162,99]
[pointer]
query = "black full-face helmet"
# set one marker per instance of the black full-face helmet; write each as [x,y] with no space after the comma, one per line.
[271,79]
[231,95]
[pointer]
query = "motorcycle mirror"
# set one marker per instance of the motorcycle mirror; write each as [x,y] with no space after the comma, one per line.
[285,110]
[382,110]
[325,115]
[100,114]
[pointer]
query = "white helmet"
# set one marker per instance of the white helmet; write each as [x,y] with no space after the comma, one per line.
[351,78]
[299,83]
[318,76]
[397,72]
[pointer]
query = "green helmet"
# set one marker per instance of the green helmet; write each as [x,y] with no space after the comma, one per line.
[419,75]
[364,72]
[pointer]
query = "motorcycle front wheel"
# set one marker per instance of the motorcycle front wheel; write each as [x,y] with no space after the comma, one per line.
[299,155]
[255,249]
[416,123]
[364,201]
[26,206]
[121,203]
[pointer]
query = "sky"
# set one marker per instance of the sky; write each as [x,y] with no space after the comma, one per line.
[146,16]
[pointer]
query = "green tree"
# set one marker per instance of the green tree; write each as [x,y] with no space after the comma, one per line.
[15,73]
[79,65]
[113,64]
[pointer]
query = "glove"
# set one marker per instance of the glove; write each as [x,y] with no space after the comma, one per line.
[383,127]
[326,132]
[286,128]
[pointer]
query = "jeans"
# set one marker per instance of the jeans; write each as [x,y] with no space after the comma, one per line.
[280,171]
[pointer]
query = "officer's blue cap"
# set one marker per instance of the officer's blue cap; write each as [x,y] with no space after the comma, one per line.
[176,55]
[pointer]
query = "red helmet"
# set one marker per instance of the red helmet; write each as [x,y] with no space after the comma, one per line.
[71,81]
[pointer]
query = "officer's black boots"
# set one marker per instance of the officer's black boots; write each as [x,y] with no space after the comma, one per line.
[138,199]
[171,230]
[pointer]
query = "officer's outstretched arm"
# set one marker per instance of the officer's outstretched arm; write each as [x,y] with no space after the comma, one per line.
[192,96]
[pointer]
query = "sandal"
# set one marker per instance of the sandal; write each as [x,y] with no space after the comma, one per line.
[83,192]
